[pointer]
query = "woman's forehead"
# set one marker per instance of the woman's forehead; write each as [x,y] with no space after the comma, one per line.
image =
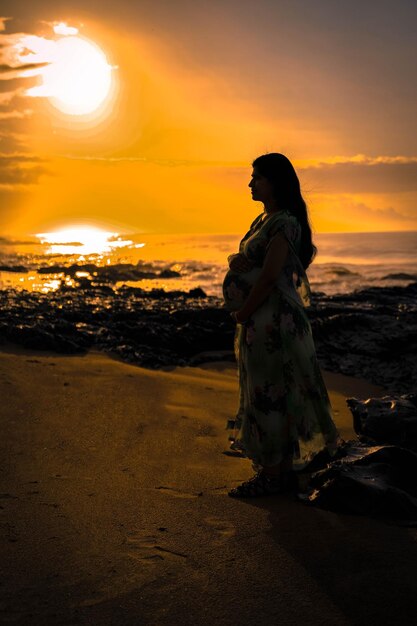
[256,173]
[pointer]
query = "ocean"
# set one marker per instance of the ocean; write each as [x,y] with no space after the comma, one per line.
[345,261]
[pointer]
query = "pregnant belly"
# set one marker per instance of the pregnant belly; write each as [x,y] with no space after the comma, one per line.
[236,287]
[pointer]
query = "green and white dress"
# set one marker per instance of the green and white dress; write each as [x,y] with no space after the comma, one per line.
[284,407]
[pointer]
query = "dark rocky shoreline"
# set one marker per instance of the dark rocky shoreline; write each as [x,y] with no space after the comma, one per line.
[370,334]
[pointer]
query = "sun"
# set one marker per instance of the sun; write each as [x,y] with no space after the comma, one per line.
[77,79]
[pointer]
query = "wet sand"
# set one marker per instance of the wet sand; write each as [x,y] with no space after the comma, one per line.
[114,509]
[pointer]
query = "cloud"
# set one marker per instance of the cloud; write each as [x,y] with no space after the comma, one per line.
[363,211]
[7,241]
[356,174]
[12,142]
[361,174]
[60,28]
[7,72]
[363,159]
[12,199]
[20,169]
[22,56]
[3,21]
[18,62]
[8,159]
[343,212]
[20,176]
[7,96]
[7,115]
[164,162]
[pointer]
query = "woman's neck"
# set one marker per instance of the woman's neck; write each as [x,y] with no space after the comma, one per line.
[270,209]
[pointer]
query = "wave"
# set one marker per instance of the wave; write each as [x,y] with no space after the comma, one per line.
[109,273]
[399,276]
[7,241]
[339,270]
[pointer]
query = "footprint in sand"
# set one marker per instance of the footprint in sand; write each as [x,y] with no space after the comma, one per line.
[224,529]
[206,431]
[178,493]
[147,548]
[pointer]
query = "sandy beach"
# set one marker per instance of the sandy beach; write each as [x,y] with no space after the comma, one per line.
[114,508]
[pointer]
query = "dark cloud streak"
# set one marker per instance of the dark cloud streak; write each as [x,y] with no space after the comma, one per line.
[20,169]
[4,68]
[361,178]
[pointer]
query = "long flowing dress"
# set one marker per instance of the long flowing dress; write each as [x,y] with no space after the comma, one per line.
[284,408]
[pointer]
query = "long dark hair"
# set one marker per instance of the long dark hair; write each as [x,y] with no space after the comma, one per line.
[281,174]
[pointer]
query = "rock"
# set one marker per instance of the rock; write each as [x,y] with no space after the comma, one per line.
[370,333]
[169,274]
[369,479]
[13,268]
[197,293]
[41,339]
[108,273]
[376,481]
[386,420]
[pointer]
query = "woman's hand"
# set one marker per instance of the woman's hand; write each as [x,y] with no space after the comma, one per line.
[238,317]
[272,267]
[239,263]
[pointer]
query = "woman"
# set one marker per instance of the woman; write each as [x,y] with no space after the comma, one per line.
[284,415]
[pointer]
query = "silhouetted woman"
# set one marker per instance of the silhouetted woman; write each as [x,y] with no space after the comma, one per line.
[284,415]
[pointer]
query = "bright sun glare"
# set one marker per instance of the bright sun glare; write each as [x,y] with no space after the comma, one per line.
[78,77]
[82,240]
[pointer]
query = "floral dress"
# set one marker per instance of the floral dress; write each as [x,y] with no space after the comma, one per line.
[284,409]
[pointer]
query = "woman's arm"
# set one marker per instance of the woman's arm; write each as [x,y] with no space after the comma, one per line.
[272,267]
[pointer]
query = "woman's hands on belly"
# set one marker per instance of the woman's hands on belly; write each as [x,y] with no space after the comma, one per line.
[237,286]
[240,263]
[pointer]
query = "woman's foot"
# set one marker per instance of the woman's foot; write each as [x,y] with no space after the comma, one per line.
[262,484]
[265,484]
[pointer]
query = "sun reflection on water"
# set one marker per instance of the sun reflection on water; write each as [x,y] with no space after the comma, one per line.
[50,285]
[82,241]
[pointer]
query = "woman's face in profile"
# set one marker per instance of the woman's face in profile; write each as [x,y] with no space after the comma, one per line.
[261,188]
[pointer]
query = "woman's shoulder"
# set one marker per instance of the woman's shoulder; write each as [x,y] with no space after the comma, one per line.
[286,215]
[271,224]
[281,218]
[283,222]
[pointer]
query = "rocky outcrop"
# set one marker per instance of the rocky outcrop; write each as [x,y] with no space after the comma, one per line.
[387,420]
[370,334]
[376,481]
[372,479]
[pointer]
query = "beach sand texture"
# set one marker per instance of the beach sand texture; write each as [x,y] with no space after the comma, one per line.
[114,509]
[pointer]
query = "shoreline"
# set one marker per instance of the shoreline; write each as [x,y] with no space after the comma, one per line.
[370,333]
[115,508]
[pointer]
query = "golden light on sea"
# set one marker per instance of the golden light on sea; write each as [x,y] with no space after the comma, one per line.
[82,240]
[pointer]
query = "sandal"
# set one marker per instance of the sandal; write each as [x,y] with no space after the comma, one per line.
[261,484]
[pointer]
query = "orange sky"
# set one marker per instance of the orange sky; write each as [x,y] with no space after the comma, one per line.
[172,148]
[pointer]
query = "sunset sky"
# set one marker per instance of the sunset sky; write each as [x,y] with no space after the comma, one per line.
[198,89]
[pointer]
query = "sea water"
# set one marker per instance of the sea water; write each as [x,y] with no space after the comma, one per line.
[345,261]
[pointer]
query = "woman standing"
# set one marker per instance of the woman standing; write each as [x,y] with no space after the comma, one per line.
[284,415]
